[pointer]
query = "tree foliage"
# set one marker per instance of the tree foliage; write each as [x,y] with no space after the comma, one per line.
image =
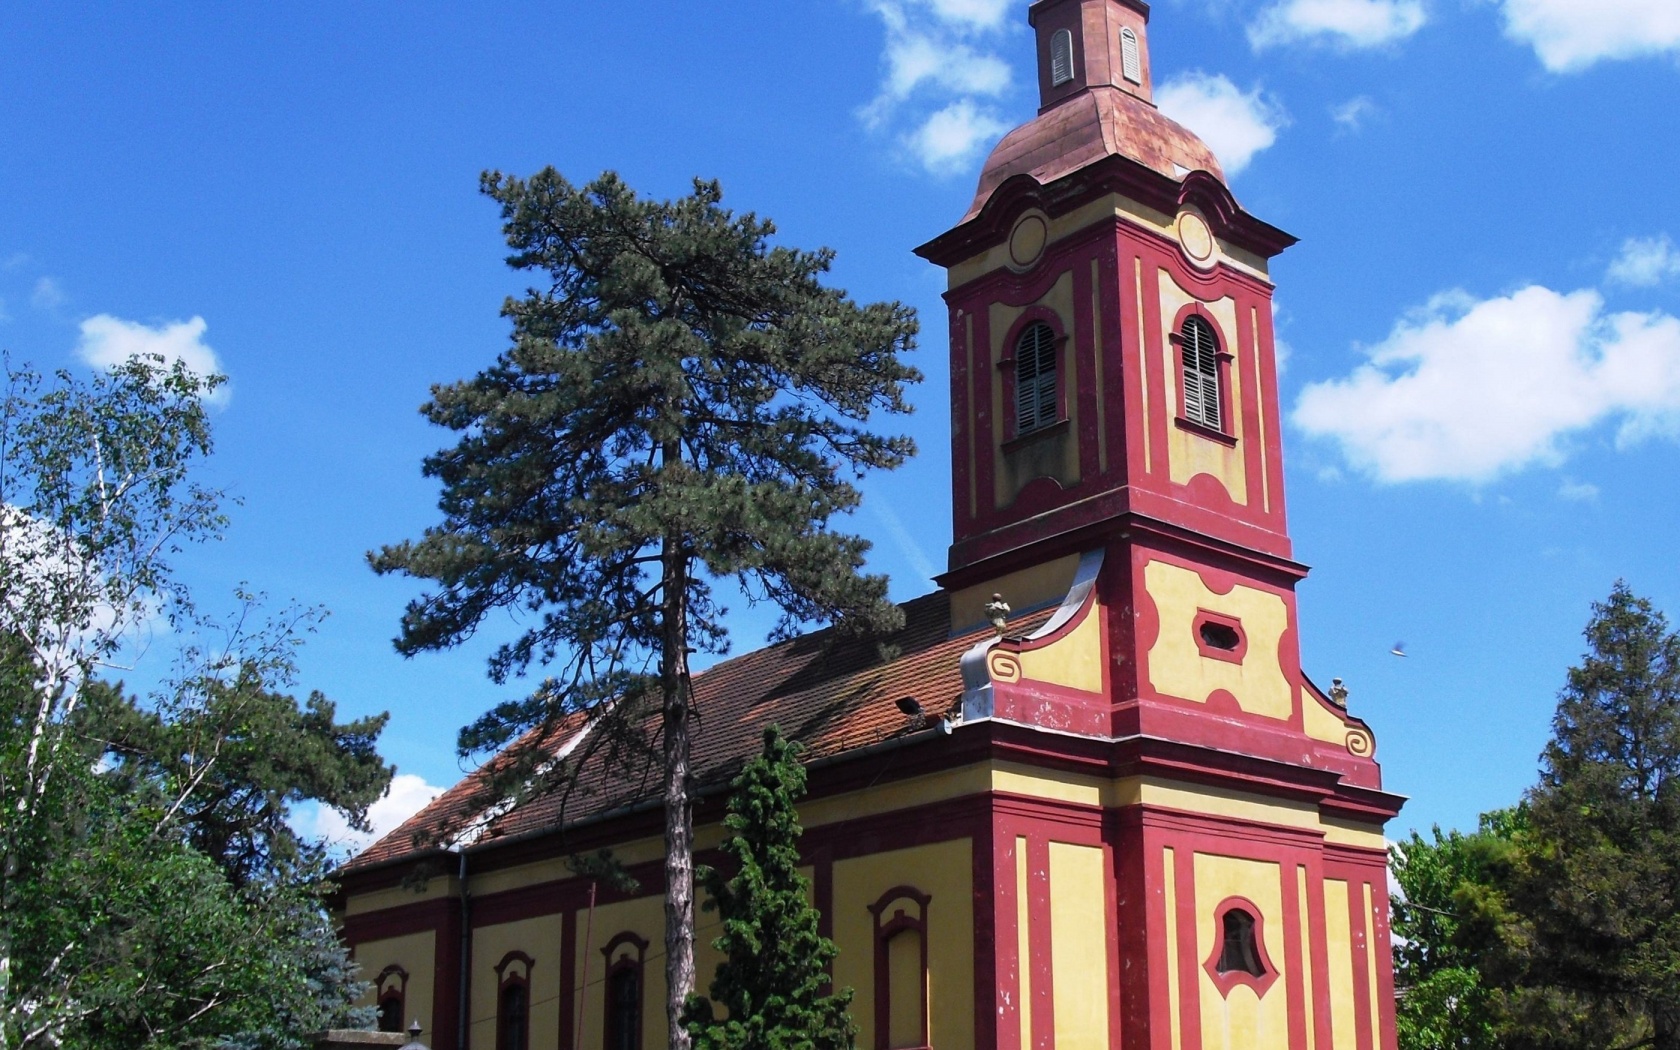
[1581,929]
[1444,1001]
[1556,927]
[773,981]
[232,756]
[151,895]
[684,404]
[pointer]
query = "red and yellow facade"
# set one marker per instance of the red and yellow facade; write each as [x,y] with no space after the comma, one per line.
[1056,866]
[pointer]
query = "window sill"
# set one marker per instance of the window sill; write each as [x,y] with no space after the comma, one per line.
[1206,431]
[1060,426]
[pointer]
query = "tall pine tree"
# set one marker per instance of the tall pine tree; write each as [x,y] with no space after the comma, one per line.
[773,981]
[1578,928]
[683,404]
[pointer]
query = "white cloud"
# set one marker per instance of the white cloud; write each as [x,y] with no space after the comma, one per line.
[1235,124]
[939,74]
[1570,35]
[1468,390]
[47,295]
[1338,23]
[109,341]
[951,139]
[975,14]
[1645,261]
[1353,113]
[1577,492]
[406,796]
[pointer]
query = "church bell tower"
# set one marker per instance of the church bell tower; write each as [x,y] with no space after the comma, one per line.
[1118,481]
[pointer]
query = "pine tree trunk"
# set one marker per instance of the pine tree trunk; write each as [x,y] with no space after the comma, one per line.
[679,814]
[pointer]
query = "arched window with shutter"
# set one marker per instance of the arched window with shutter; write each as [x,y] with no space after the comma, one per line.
[626,954]
[1035,378]
[1131,60]
[513,1001]
[1061,57]
[1200,349]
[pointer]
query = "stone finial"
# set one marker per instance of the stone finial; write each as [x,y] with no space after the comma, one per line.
[997,611]
[1338,693]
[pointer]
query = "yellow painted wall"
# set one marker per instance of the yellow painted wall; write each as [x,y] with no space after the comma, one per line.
[1079,924]
[1339,937]
[1321,724]
[944,870]
[415,953]
[1111,206]
[1075,660]
[540,939]
[1177,667]
[397,896]
[1244,1021]
[1188,453]
[644,917]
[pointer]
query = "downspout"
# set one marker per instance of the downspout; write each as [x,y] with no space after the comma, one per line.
[464,990]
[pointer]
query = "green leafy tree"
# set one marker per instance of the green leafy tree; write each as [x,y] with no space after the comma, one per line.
[96,497]
[774,980]
[150,894]
[683,404]
[1579,929]
[1444,1002]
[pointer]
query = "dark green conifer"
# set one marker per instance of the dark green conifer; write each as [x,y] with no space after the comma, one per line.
[683,403]
[774,980]
[1578,926]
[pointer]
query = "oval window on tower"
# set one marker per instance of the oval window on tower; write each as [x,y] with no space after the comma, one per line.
[1061,57]
[1131,60]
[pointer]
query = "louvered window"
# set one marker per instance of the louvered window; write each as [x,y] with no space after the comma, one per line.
[1061,57]
[1131,63]
[1201,373]
[1035,379]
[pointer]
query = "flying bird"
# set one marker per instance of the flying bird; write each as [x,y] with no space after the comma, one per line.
[1399,649]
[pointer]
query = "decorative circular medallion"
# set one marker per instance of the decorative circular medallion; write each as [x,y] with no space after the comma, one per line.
[1027,240]
[1197,240]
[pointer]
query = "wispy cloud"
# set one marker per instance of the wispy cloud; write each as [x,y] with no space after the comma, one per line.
[909,548]
[47,295]
[1347,24]
[941,79]
[407,795]
[1353,113]
[1235,124]
[1645,262]
[107,341]
[1571,35]
[1577,491]
[1469,390]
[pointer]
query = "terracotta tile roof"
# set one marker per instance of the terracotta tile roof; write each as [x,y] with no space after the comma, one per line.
[831,694]
[1088,127]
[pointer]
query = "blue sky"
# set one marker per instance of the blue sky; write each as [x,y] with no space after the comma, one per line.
[1483,370]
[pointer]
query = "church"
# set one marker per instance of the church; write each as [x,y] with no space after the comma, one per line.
[1093,801]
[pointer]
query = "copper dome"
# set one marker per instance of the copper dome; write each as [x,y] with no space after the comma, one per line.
[1096,123]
